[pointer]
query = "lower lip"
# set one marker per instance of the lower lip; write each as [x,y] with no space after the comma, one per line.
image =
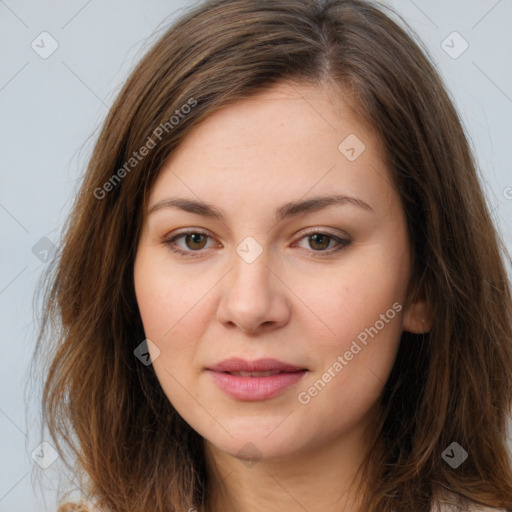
[255,388]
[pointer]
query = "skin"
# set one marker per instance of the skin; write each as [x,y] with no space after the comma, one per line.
[248,160]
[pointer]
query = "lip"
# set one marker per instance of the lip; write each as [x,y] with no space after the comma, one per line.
[236,364]
[254,388]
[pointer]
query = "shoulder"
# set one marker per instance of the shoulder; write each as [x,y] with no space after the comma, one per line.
[485,509]
[481,508]
[467,508]
[78,507]
[447,505]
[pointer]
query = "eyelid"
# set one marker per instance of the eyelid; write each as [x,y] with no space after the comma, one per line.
[168,241]
[341,242]
[325,231]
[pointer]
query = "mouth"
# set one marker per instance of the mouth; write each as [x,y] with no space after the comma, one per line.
[268,373]
[261,366]
[257,380]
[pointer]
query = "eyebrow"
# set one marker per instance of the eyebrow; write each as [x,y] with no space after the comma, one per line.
[288,210]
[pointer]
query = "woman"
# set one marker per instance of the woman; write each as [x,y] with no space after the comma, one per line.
[280,287]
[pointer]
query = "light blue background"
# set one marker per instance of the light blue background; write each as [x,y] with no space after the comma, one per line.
[50,112]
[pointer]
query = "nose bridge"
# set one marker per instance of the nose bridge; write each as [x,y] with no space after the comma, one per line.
[250,280]
[251,295]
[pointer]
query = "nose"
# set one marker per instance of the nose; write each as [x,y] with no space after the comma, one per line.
[254,297]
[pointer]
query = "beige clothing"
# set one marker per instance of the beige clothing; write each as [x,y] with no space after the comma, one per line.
[468,508]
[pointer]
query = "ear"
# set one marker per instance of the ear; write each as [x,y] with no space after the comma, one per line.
[417,317]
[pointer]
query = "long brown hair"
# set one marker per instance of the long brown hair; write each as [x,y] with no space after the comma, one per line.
[454,384]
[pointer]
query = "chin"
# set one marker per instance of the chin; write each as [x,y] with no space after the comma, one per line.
[255,444]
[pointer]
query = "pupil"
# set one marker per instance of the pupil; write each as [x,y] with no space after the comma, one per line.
[324,237]
[196,239]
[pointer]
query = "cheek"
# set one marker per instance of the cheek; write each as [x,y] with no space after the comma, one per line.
[351,368]
[170,310]
[167,299]
[361,326]
[361,335]
[167,307]
[342,304]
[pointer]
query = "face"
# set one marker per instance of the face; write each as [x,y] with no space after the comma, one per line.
[274,234]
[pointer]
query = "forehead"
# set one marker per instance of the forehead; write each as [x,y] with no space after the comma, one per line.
[291,138]
[293,112]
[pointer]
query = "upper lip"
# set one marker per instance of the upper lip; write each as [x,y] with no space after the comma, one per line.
[260,365]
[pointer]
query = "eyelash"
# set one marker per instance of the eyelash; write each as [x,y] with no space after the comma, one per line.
[342,243]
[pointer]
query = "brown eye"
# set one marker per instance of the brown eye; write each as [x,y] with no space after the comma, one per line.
[322,244]
[195,241]
[189,243]
[319,241]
